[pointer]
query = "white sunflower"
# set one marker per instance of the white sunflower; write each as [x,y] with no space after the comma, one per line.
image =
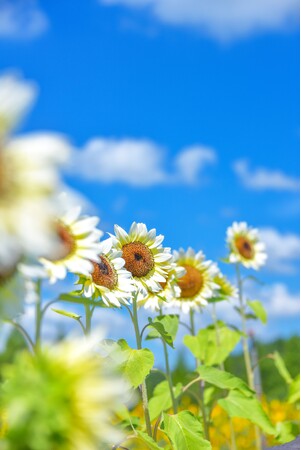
[79,247]
[197,285]
[170,290]
[145,258]
[109,280]
[245,246]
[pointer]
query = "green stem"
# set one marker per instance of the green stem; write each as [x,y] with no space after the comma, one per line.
[88,312]
[134,317]
[201,384]
[169,379]
[23,332]
[38,316]
[222,367]
[245,345]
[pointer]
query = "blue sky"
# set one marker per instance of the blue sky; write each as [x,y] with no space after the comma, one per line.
[203,107]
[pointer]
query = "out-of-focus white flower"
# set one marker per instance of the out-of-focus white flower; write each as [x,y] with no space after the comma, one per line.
[245,246]
[146,259]
[16,97]
[28,178]
[12,293]
[109,280]
[80,246]
[63,397]
[197,285]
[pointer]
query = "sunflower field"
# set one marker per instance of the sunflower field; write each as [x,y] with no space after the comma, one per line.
[89,391]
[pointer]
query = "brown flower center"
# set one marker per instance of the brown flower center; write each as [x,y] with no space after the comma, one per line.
[138,259]
[191,283]
[104,273]
[244,247]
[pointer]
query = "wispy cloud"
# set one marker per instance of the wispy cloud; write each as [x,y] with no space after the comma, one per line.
[262,179]
[21,19]
[283,250]
[139,163]
[222,19]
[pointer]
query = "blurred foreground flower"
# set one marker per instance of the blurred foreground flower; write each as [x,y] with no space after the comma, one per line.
[197,285]
[146,259]
[109,280]
[61,399]
[12,292]
[28,178]
[245,246]
[79,246]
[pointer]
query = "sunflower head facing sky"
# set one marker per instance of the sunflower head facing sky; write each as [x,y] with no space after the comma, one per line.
[197,286]
[145,257]
[245,246]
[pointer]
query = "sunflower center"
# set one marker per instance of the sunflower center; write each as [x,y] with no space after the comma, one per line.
[191,283]
[104,273]
[244,247]
[138,258]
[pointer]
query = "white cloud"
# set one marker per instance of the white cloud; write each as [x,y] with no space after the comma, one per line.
[21,19]
[222,19]
[262,179]
[279,301]
[139,162]
[192,160]
[282,249]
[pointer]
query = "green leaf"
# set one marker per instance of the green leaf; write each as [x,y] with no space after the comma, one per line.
[185,431]
[224,380]
[204,345]
[294,390]
[161,400]
[137,364]
[159,331]
[286,432]
[281,367]
[147,441]
[164,326]
[238,405]
[66,313]
[258,309]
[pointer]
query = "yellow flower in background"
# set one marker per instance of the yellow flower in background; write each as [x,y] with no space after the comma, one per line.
[245,246]
[109,280]
[197,285]
[62,398]
[80,246]
[227,290]
[146,259]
